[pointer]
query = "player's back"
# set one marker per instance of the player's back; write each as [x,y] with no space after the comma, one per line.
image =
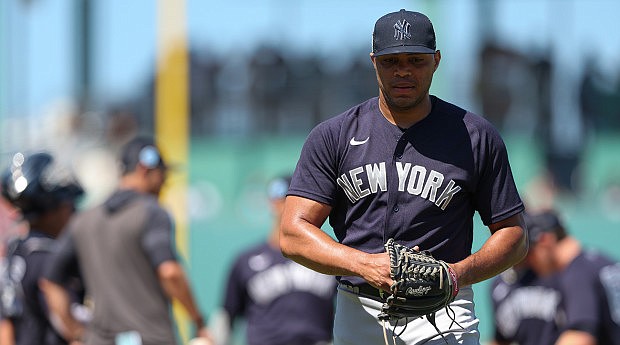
[119,276]
[591,292]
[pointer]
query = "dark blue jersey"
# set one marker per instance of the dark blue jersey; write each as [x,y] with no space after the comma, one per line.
[283,302]
[525,308]
[27,265]
[591,296]
[420,186]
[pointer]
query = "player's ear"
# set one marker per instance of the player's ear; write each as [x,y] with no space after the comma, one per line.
[437,57]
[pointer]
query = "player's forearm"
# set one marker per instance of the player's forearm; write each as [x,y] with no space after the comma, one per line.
[176,286]
[311,247]
[59,305]
[502,250]
[302,240]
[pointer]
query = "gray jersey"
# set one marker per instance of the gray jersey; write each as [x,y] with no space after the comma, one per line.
[119,246]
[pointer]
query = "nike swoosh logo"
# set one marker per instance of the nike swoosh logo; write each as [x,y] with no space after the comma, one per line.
[358,142]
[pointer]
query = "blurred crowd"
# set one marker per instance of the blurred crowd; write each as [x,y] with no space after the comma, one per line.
[273,92]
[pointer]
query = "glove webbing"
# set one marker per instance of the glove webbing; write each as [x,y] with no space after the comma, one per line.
[431,319]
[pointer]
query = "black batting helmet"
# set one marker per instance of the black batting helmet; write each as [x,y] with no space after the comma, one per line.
[35,184]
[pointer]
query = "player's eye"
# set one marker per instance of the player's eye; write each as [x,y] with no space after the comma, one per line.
[388,61]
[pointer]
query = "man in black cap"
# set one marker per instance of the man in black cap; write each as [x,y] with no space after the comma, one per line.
[588,281]
[125,251]
[525,304]
[411,167]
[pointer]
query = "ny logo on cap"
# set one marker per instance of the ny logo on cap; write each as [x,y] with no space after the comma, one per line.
[401,30]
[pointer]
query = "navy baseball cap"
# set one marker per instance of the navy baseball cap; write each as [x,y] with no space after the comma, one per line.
[278,187]
[403,32]
[143,151]
[543,222]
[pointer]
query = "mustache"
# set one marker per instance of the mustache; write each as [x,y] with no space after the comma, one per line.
[403,80]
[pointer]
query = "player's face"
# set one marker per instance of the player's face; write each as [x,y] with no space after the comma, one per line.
[405,79]
[540,256]
[155,180]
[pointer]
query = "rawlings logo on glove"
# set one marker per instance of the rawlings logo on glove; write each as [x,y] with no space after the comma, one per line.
[422,284]
[420,291]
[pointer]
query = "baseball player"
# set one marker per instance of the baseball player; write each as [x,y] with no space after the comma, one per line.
[45,193]
[282,302]
[525,306]
[125,251]
[588,281]
[409,166]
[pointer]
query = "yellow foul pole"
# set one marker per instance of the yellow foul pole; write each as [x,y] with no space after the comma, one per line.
[172,124]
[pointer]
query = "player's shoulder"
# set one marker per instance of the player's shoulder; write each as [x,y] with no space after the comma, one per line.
[586,268]
[590,260]
[595,263]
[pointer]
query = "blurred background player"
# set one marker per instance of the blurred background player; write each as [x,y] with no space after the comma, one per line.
[45,193]
[560,294]
[282,302]
[525,306]
[130,268]
[589,282]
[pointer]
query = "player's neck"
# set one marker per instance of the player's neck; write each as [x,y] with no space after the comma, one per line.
[134,182]
[405,118]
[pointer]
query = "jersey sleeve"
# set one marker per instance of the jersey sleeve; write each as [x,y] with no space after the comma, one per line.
[157,239]
[315,175]
[496,196]
[581,298]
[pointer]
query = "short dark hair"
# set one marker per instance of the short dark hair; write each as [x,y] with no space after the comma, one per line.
[544,222]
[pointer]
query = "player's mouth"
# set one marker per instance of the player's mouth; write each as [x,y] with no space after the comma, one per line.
[401,88]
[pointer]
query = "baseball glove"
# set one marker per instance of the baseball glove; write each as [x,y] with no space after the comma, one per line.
[422,284]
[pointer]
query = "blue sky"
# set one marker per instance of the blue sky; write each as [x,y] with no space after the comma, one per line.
[36,58]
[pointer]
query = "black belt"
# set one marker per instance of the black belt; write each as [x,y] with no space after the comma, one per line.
[364,290]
